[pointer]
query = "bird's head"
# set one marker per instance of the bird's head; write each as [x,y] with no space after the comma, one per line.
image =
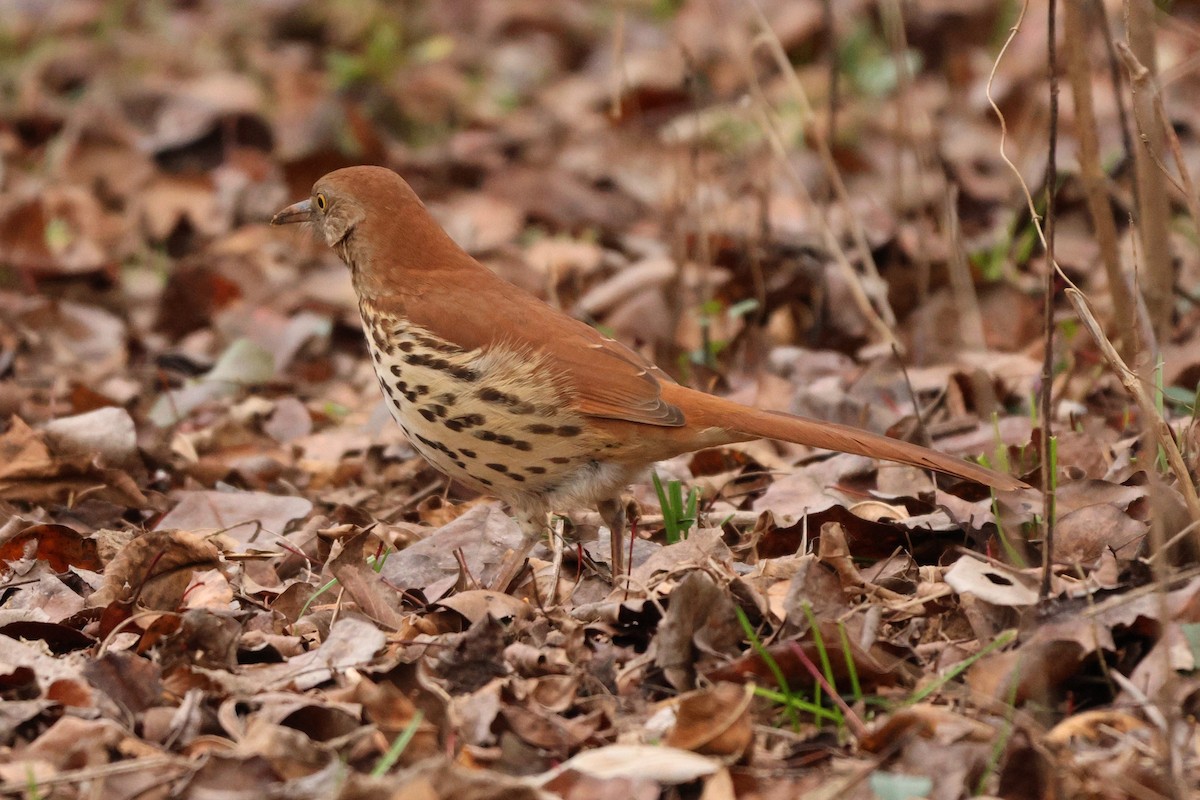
[374,220]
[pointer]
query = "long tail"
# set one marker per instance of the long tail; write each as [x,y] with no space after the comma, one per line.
[708,410]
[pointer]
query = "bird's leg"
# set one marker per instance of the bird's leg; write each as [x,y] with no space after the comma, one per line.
[535,525]
[612,511]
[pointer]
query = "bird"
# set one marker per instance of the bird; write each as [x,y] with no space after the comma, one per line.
[516,399]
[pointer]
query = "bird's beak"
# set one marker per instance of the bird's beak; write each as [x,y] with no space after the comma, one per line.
[296,212]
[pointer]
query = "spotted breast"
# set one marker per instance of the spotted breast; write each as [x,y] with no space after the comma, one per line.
[493,420]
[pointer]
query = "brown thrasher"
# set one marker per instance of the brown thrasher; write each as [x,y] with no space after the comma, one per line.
[516,399]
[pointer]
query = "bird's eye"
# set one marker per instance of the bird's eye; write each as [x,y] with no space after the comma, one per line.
[321,202]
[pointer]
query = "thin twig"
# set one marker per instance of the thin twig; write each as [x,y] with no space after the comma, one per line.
[1047,400]
[1093,179]
[1143,78]
[152,763]
[1146,405]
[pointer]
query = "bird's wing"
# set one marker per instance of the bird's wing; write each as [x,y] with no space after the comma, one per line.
[606,378]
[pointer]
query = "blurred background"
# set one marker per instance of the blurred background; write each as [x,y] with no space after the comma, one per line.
[804,204]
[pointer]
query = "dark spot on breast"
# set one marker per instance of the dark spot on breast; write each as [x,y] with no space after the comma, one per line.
[453,425]
[523,446]
[431,343]
[422,390]
[378,337]
[484,481]
[497,467]
[485,436]
[426,360]
[460,464]
[560,460]
[466,452]
[516,476]
[427,414]
[540,428]
[438,446]
[536,470]
[439,409]
[447,397]
[406,346]
[515,404]
[396,370]
[568,430]
[465,374]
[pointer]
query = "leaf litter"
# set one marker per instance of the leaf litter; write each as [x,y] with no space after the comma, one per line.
[224,572]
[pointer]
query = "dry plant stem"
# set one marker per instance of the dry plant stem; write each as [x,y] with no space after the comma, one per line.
[1052,269]
[1047,405]
[970,318]
[1133,385]
[1093,177]
[1033,215]
[830,24]
[1158,294]
[618,78]
[853,280]
[768,39]
[1157,278]
[148,764]
[922,429]
[1144,81]
[892,19]
[923,144]
[1114,74]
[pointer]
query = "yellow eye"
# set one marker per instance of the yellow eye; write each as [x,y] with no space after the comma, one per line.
[321,204]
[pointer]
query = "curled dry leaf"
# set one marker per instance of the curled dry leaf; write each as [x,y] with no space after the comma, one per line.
[1033,671]
[156,569]
[475,604]
[715,721]
[362,582]
[668,766]
[247,518]
[483,535]
[30,471]
[700,622]
[992,583]
[1096,726]
[59,546]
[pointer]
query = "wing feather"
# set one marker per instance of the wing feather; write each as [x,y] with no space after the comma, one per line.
[606,378]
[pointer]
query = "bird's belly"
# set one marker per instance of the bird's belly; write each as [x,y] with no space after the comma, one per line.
[490,420]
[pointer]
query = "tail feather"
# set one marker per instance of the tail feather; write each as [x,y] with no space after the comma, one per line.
[705,409]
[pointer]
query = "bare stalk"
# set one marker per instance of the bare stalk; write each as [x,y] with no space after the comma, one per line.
[1157,277]
[1092,176]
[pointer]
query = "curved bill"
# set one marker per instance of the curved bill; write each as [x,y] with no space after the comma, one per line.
[296,212]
